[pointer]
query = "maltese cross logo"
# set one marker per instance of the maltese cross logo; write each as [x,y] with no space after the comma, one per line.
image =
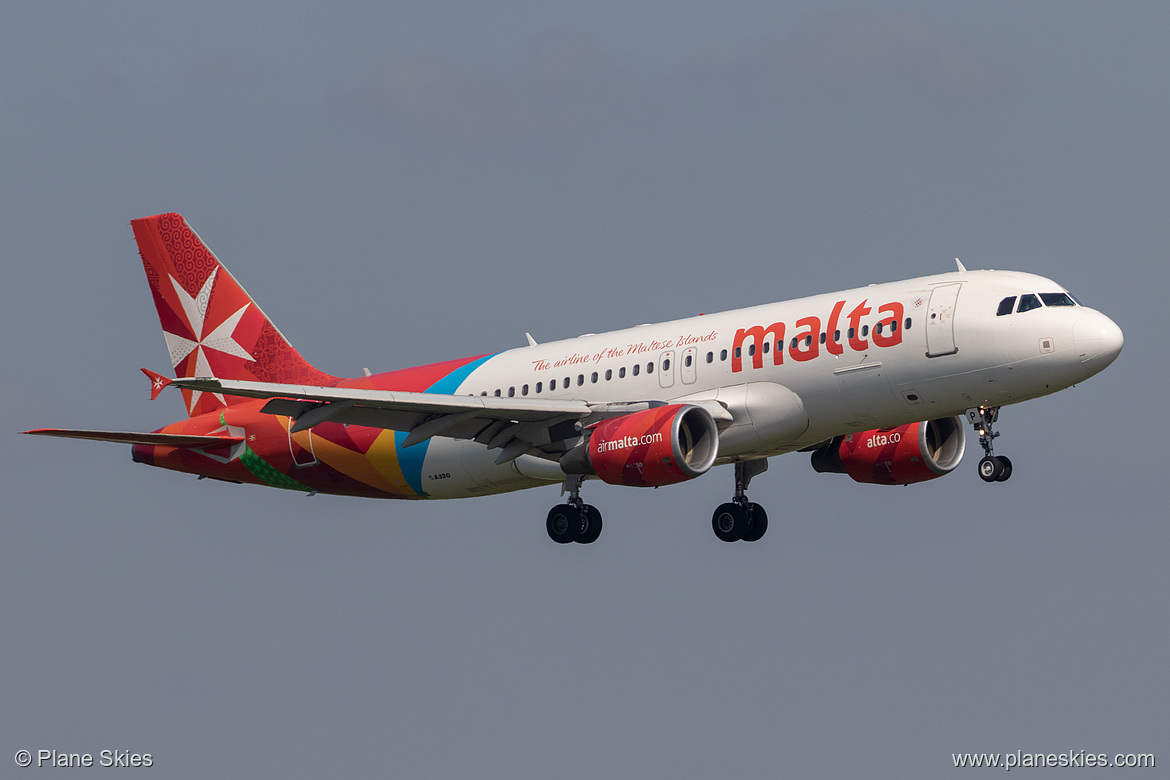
[219,338]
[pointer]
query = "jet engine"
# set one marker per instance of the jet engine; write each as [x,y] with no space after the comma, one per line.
[896,456]
[653,447]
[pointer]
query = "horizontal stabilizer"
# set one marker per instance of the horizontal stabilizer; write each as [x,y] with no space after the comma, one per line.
[157,382]
[130,437]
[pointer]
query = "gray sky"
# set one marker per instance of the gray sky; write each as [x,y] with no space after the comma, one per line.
[397,185]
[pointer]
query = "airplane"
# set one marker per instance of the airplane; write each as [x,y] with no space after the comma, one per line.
[876,383]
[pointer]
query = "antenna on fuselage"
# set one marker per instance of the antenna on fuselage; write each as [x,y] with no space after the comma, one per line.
[531,341]
[962,268]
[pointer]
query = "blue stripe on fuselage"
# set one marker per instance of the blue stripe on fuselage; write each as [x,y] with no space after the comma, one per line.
[410,459]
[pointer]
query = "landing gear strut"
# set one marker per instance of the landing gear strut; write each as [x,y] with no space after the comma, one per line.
[739,519]
[575,521]
[992,467]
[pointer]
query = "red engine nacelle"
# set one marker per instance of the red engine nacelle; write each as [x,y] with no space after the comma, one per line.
[896,456]
[653,447]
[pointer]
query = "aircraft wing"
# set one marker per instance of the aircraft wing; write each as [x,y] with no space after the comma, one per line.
[131,437]
[538,426]
[394,400]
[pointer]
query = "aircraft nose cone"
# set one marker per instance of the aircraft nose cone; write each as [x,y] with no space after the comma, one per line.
[1098,341]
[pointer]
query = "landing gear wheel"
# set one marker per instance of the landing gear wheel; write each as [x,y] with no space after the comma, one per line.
[591,525]
[729,522]
[757,523]
[990,468]
[564,523]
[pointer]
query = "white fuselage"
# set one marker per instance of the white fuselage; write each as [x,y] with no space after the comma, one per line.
[949,351]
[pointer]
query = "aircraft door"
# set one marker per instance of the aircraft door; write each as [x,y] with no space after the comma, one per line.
[690,357]
[666,369]
[940,321]
[300,445]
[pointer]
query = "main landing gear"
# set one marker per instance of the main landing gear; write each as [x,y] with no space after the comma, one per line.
[992,468]
[739,519]
[575,521]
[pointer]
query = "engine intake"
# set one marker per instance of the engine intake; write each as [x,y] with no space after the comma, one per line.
[896,456]
[653,447]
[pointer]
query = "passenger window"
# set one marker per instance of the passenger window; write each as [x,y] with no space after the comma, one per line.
[877,329]
[752,349]
[665,365]
[608,374]
[767,346]
[737,351]
[637,368]
[580,379]
[795,341]
[593,378]
[1057,299]
[864,331]
[511,392]
[723,354]
[524,390]
[808,340]
[622,372]
[649,368]
[823,337]
[539,386]
[1028,302]
[837,336]
[907,326]
[552,385]
[689,358]
[1006,306]
[497,394]
[893,326]
[851,332]
[566,383]
[710,357]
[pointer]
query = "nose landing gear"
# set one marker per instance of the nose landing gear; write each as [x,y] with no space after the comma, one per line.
[741,520]
[992,467]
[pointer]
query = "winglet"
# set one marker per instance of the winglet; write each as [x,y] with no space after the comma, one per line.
[158,382]
[962,268]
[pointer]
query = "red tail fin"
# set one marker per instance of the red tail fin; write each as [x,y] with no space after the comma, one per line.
[211,325]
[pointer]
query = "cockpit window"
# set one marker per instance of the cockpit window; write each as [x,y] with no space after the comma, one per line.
[1057,299]
[1006,306]
[1028,302]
